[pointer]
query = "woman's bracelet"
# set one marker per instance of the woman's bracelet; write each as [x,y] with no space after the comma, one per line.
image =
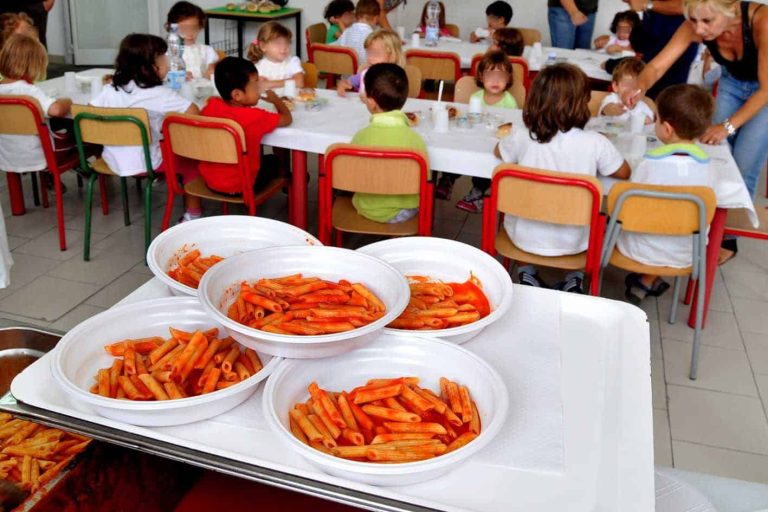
[729,126]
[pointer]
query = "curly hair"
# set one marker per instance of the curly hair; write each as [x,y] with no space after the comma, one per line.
[558,102]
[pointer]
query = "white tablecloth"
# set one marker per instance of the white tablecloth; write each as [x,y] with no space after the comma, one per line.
[465,49]
[587,60]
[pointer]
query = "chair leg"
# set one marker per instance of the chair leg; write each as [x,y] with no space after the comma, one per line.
[225,208]
[505,262]
[697,329]
[168,210]
[79,181]
[124,194]
[43,188]
[103,194]
[689,289]
[88,204]
[675,300]
[16,192]
[339,238]
[35,191]
[147,216]
[138,187]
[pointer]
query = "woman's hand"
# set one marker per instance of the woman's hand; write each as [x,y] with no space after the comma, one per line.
[578,18]
[715,134]
[614,109]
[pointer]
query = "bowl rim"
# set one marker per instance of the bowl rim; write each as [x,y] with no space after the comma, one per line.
[292,339]
[149,406]
[493,316]
[157,267]
[386,470]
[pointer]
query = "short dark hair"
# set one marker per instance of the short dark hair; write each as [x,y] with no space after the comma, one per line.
[510,41]
[630,17]
[183,10]
[495,60]
[136,61]
[558,101]
[337,8]
[687,108]
[628,66]
[367,8]
[233,73]
[500,9]
[387,85]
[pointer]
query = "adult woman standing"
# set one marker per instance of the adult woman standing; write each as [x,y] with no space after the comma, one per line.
[571,22]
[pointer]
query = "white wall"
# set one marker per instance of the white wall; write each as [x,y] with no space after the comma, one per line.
[57,30]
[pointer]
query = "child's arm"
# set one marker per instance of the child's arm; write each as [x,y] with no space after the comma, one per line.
[60,108]
[192,109]
[623,172]
[615,49]
[282,110]
[343,86]
[601,41]
[209,71]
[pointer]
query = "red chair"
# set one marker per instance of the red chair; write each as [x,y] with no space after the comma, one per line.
[435,65]
[333,60]
[519,64]
[544,196]
[371,170]
[210,139]
[22,115]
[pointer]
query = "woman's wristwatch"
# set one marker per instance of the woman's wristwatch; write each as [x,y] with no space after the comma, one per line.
[649,5]
[729,127]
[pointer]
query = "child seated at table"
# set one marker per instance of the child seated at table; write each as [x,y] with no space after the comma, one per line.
[422,28]
[237,81]
[140,69]
[386,87]
[340,15]
[381,46]
[624,85]
[508,40]
[271,52]
[554,138]
[367,13]
[23,60]
[15,23]
[494,77]
[199,59]
[621,27]
[497,15]
[685,113]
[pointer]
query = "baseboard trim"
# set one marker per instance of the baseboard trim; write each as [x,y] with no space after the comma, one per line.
[57,59]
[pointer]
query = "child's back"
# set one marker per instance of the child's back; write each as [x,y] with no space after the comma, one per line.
[367,12]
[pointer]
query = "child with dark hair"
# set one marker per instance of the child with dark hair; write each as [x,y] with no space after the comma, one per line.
[624,85]
[386,90]
[340,15]
[685,113]
[140,69]
[367,13]
[199,59]
[553,138]
[498,14]
[422,28]
[508,40]
[237,82]
[621,27]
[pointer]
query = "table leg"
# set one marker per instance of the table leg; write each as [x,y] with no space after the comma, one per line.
[240,24]
[299,189]
[716,230]
[298,34]
[16,193]
[207,32]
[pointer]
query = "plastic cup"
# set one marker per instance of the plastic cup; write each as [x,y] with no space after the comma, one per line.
[475,105]
[636,122]
[70,81]
[414,40]
[290,88]
[441,120]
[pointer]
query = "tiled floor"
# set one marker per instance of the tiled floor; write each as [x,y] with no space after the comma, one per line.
[716,424]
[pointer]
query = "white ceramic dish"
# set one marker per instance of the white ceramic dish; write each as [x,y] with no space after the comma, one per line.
[387,357]
[449,261]
[223,235]
[221,283]
[80,354]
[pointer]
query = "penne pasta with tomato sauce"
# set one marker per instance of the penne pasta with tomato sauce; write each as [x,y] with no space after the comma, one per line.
[191,266]
[185,365]
[386,421]
[304,306]
[438,305]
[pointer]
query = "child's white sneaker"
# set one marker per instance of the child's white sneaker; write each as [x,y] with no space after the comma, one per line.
[189,216]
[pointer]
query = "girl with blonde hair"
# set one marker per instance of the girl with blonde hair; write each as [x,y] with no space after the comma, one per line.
[382,46]
[271,52]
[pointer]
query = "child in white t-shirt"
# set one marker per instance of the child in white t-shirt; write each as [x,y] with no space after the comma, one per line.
[199,59]
[138,83]
[271,52]
[685,113]
[624,85]
[367,13]
[23,60]
[553,138]
[621,29]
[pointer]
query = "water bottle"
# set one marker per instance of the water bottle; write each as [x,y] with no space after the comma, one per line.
[177,71]
[432,31]
[551,58]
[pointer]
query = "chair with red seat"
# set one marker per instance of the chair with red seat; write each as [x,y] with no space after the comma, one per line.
[210,139]
[22,115]
[371,170]
[545,196]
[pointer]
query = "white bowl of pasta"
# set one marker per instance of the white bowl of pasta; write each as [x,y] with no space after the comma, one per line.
[303,302]
[481,286]
[98,344]
[211,238]
[388,357]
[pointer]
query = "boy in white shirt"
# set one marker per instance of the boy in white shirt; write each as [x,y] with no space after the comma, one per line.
[624,85]
[554,139]
[685,113]
[367,13]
